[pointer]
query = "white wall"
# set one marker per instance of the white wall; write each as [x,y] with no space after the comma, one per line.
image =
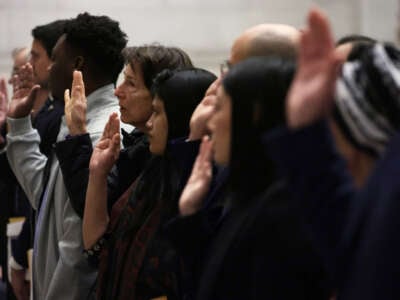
[205,28]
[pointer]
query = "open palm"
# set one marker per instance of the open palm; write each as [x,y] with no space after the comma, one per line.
[106,152]
[199,181]
[311,95]
[75,106]
[3,102]
[24,93]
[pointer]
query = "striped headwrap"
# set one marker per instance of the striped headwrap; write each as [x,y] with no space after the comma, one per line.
[368,98]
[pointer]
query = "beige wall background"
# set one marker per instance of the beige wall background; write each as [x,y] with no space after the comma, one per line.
[204,28]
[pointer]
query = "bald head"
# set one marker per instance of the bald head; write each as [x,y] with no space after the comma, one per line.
[266,40]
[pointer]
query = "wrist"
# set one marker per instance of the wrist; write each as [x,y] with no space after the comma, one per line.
[188,209]
[77,130]
[97,173]
[195,135]
[19,126]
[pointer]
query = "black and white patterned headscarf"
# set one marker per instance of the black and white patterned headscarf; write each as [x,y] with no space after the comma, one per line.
[368,98]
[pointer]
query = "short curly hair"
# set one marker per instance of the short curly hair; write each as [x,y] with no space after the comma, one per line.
[101,41]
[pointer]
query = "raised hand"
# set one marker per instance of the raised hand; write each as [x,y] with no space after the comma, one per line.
[3,107]
[106,152]
[22,102]
[3,88]
[24,93]
[198,184]
[3,102]
[75,106]
[23,81]
[311,94]
[203,113]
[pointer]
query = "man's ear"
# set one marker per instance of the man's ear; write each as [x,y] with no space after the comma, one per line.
[79,62]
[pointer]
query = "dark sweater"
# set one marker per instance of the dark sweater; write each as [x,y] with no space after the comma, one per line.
[74,156]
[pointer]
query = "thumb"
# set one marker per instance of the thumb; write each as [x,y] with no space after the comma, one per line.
[3,88]
[103,144]
[115,145]
[338,63]
[116,140]
[67,98]
[3,102]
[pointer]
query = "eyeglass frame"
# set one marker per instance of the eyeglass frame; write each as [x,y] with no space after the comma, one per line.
[224,67]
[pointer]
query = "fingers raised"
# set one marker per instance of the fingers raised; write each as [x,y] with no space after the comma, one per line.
[320,34]
[3,88]
[78,86]
[111,127]
[114,126]
[106,129]
[115,145]
[67,98]
[3,104]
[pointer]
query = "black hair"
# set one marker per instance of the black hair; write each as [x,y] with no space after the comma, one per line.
[49,34]
[181,91]
[355,39]
[164,177]
[257,88]
[101,41]
[154,58]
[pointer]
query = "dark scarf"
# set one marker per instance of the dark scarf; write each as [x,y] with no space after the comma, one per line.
[138,262]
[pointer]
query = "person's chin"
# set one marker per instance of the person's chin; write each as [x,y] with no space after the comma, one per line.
[122,115]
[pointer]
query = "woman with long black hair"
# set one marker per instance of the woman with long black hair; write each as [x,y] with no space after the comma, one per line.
[260,248]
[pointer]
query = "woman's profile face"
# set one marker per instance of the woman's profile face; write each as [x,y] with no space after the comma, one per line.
[220,127]
[135,101]
[157,128]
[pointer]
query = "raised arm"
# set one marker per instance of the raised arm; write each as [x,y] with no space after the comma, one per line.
[203,113]
[23,152]
[75,151]
[105,154]
[75,106]
[318,178]
[310,97]
[198,185]
[3,109]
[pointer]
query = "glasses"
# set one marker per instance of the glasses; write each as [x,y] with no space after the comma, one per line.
[224,68]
